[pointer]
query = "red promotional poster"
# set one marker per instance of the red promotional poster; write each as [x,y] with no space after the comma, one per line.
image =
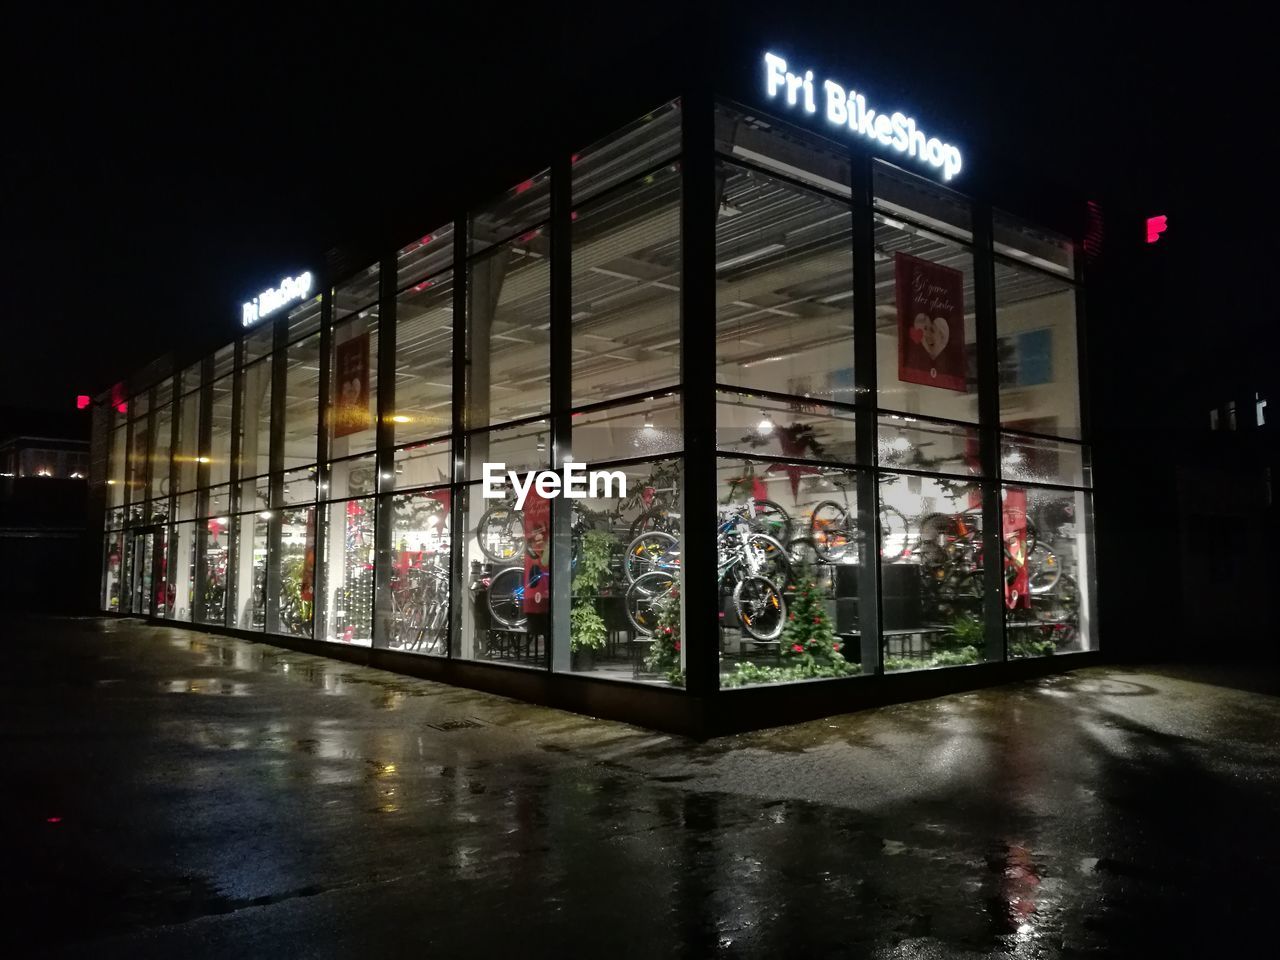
[537,553]
[351,386]
[930,301]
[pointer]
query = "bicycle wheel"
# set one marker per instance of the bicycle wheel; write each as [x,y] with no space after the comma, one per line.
[831,531]
[769,518]
[765,557]
[894,544]
[1044,569]
[760,607]
[650,551]
[658,519]
[500,534]
[642,599]
[506,596]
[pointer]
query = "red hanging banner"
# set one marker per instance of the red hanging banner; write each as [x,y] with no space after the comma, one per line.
[930,300]
[537,553]
[351,386]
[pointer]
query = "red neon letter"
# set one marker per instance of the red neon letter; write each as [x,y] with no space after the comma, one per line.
[1155,227]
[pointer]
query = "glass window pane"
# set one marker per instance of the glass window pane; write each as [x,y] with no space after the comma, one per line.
[305,318]
[525,205]
[424,359]
[161,453]
[1033,460]
[787,616]
[359,294]
[186,455]
[637,147]
[113,562]
[420,538]
[925,323]
[778,428]
[1049,578]
[182,576]
[224,360]
[1034,245]
[116,466]
[1037,352]
[784,288]
[424,257]
[139,455]
[519,448]
[913,443]
[931,572]
[219,502]
[351,478]
[783,149]
[349,554]
[508,352]
[353,397]
[219,452]
[626,290]
[624,617]
[646,428]
[214,544]
[900,194]
[297,570]
[302,402]
[422,465]
[255,419]
[506,569]
[251,570]
[258,343]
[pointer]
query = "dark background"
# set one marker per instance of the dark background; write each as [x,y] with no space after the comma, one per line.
[161,164]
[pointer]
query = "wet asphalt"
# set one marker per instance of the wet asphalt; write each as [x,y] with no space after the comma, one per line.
[174,794]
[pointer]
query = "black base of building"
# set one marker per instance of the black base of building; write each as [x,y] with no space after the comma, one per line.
[671,710]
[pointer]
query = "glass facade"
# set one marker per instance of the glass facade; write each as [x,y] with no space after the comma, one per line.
[888,410]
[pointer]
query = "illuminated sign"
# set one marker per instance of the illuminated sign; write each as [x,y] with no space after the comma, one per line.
[1155,227]
[269,301]
[846,108]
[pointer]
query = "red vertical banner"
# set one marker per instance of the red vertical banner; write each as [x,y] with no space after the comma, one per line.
[307,587]
[1017,580]
[351,386]
[537,553]
[930,301]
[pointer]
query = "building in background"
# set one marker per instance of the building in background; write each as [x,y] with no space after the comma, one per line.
[44,539]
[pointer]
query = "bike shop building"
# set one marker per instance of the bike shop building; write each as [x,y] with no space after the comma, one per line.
[847,406]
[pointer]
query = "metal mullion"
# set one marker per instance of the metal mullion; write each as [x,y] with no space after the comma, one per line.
[561,402]
[275,469]
[384,455]
[506,238]
[1013,262]
[989,435]
[204,434]
[866,425]
[457,418]
[631,398]
[700,593]
[233,492]
[319,524]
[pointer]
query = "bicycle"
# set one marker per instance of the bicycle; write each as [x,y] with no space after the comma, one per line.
[833,528]
[420,606]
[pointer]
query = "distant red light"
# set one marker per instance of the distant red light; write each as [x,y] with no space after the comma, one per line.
[427,239]
[522,187]
[122,406]
[52,819]
[83,401]
[1155,227]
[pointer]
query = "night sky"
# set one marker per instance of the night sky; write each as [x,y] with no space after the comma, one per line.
[162,165]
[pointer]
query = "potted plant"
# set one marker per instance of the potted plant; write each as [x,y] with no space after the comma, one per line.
[592,574]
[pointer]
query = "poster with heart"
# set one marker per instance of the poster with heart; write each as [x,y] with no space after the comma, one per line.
[351,387]
[537,553]
[930,323]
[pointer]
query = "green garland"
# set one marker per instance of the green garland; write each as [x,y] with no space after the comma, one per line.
[664,654]
[809,648]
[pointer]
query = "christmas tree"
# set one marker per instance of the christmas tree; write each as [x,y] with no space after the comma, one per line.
[809,645]
[664,655]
